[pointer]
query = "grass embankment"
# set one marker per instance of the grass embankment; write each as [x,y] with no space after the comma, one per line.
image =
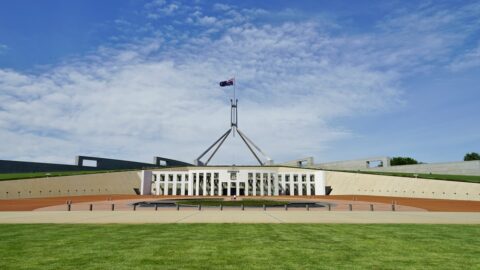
[239,246]
[448,177]
[218,202]
[15,176]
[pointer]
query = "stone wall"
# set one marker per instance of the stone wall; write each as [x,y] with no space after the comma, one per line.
[89,184]
[378,185]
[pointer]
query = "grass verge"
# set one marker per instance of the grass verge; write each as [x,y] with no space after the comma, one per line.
[239,246]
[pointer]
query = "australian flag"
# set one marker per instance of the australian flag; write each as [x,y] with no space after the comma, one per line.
[227,83]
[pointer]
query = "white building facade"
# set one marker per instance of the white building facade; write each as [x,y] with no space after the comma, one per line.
[233,180]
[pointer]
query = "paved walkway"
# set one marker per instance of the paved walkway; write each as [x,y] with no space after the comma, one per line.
[238,216]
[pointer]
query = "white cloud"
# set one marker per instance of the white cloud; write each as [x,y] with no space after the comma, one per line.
[470,59]
[160,96]
[129,106]
[160,8]
[3,48]
[425,37]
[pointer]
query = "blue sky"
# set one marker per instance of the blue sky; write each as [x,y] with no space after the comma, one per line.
[335,80]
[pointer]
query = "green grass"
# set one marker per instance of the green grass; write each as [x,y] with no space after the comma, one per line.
[15,176]
[217,202]
[448,177]
[239,246]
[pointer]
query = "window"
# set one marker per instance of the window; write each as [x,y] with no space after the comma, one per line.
[89,163]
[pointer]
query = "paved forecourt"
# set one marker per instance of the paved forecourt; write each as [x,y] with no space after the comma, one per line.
[238,216]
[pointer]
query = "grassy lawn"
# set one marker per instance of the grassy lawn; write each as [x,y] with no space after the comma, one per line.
[217,202]
[239,246]
[448,177]
[461,178]
[14,176]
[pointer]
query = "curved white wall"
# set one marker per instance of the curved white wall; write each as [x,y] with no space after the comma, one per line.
[89,184]
[378,185]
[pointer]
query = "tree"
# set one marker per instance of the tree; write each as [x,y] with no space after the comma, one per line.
[471,156]
[395,161]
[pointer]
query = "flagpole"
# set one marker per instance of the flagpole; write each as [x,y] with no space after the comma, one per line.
[235,102]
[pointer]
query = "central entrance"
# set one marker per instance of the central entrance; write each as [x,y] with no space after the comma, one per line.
[233,191]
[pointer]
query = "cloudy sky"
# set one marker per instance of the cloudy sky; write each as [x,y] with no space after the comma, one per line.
[335,80]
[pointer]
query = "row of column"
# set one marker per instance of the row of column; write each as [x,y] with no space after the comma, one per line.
[298,181]
[255,184]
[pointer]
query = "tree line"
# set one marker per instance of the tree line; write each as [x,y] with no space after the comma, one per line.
[396,161]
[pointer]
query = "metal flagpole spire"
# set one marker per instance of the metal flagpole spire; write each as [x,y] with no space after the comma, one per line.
[233,128]
[234,124]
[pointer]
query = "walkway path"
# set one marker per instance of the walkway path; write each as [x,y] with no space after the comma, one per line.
[238,216]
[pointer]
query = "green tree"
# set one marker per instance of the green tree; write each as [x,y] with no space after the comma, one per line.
[471,156]
[395,161]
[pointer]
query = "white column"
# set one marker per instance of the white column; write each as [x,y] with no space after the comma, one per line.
[229,185]
[300,184]
[320,183]
[275,184]
[165,184]
[212,184]
[291,180]
[204,183]
[269,184]
[182,184]
[158,184]
[197,184]
[309,191]
[146,183]
[190,184]
[262,192]
[246,186]
[174,189]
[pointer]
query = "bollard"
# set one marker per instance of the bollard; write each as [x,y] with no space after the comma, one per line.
[91,207]
[134,207]
[199,207]
[243,207]
[156,207]
[113,207]
[178,207]
[329,207]
[393,207]
[69,207]
[371,207]
[350,207]
[308,207]
[264,207]
[286,207]
[221,207]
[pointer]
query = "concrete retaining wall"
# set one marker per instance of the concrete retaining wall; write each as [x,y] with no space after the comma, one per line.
[341,183]
[357,164]
[457,168]
[90,184]
[379,185]
[454,168]
[12,166]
